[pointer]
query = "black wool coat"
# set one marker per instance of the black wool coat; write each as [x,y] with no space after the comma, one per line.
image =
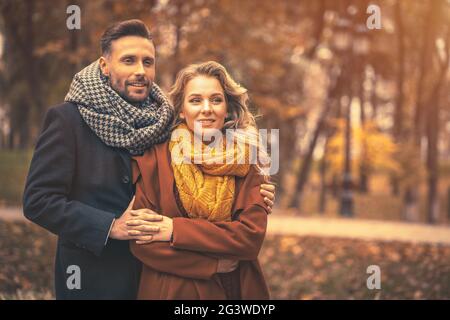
[75,187]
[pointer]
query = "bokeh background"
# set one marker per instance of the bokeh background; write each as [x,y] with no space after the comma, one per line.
[363,114]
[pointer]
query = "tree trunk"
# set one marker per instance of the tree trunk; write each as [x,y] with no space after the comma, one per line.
[433,139]
[412,192]
[398,113]
[374,97]
[323,173]
[363,174]
[306,164]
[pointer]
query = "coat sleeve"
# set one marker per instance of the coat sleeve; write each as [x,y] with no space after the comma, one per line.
[239,239]
[161,256]
[46,199]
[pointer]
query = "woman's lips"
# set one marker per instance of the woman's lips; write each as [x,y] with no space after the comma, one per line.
[206,122]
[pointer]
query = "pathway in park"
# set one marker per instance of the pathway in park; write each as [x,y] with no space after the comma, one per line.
[331,227]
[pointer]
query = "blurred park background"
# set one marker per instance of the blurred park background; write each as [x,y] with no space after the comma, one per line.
[359,90]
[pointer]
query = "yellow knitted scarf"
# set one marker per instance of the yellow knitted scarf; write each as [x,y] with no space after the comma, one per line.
[206,189]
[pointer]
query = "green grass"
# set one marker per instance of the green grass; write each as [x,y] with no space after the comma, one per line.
[13,171]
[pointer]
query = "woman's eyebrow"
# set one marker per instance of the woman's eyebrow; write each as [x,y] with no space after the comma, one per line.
[199,95]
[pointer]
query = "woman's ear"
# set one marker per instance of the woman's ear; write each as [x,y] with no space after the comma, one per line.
[181,115]
[104,66]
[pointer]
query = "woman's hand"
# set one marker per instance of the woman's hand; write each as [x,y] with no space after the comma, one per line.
[268,192]
[165,228]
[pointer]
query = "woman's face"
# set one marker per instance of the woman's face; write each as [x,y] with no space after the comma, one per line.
[204,104]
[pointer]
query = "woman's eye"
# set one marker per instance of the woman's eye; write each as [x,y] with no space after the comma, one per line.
[217,100]
[194,101]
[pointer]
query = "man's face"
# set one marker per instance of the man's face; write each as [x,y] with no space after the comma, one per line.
[130,67]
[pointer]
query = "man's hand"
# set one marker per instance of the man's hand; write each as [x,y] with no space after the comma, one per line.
[227,265]
[121,231]
[268,192]
[139,226]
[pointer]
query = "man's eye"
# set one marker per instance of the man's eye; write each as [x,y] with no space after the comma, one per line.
[128,60]
[148,63]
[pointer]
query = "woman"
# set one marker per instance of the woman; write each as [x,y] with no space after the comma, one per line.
[214,215]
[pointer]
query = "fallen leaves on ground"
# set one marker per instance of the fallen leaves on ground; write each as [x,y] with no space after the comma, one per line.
[336,268]
[295,267]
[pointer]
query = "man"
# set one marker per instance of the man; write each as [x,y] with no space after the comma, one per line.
[79,183]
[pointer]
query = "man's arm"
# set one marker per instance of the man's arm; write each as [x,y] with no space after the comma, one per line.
[48,185]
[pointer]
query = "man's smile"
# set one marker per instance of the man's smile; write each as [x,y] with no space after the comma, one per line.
[138,84]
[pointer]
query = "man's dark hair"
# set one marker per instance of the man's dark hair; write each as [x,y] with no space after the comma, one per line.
[125,28]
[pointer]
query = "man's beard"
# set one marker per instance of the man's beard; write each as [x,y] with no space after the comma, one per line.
[123,92]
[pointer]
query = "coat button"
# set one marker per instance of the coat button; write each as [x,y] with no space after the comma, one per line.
[125,179]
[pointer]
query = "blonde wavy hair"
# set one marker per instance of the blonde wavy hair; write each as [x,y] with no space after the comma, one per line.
[236,98]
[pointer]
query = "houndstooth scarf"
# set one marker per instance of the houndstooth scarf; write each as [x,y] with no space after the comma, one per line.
[115,121]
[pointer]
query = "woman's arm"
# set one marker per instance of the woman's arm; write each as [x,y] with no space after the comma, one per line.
[161,257]
[240,239]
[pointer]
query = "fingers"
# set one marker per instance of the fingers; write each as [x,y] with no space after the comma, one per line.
[140,222]
[147,215]
[267,194]
[130,206]
[143,242]
[144,239]
[268,187]
[142,228]
[268,202]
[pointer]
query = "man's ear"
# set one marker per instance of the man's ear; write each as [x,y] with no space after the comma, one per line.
[104,66]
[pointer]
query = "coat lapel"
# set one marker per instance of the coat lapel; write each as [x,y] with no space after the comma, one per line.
[126,160]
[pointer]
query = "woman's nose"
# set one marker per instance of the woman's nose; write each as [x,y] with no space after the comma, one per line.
[206,107]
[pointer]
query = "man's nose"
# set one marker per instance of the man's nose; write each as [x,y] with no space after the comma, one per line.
[139,69]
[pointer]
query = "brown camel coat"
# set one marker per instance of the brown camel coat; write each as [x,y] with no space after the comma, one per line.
[186,267]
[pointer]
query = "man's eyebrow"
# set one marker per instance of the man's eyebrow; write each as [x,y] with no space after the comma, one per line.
[127,56]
